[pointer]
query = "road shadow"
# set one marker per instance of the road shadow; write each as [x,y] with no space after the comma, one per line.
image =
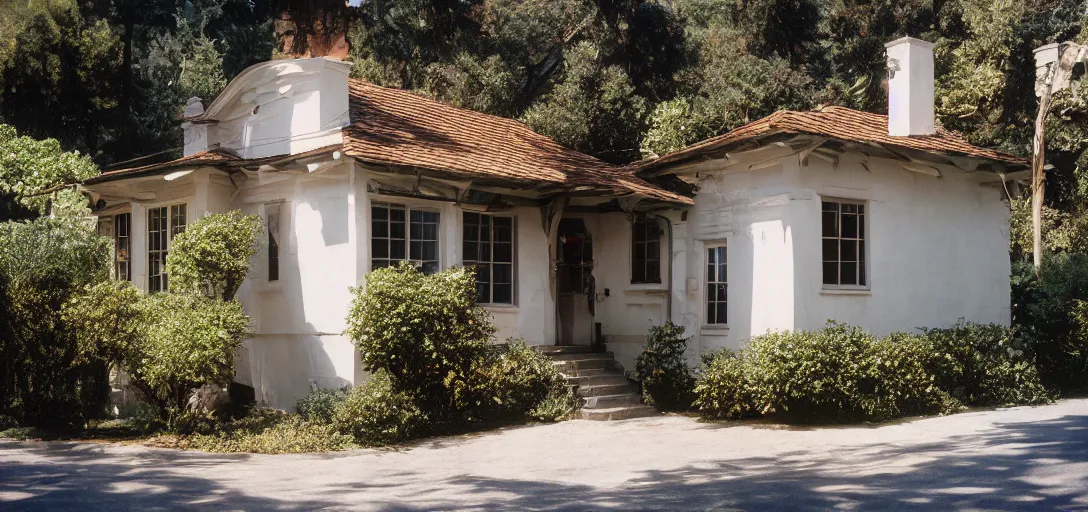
[1039,466]
[80,476]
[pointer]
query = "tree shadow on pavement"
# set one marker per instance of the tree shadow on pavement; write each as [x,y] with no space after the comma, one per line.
[1039,466]
[77,476]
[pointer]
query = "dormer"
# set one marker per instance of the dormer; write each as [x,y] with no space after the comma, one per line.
[279,107]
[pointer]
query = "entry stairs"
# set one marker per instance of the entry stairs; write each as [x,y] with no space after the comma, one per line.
[604,391]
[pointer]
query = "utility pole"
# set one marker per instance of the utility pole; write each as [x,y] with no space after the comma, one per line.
[1053,67]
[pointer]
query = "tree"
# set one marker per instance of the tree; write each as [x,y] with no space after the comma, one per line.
[30,169]
[212,255]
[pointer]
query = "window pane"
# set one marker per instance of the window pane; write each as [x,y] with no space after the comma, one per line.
[830,224]
[711,313]
[379,213]
[849,273]
[711,256]
[379,249]
[861,226]
[849,208]
[396,249]
[849,226]
[828,206]
[430,251]
[396,214]
[848,250]
[653,273]
[472,251]
[831,250]
[503,294]
[504,252]
[396,230]
[638,273]
[831,273]
[429,267]
[721,316]
[722,273]
[415,251]
[502,273]
[721,292]
[380,229]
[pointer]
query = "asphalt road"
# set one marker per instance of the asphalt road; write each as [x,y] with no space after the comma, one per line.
[1030,458]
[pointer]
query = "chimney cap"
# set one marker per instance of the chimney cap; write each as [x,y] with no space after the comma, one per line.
[910,40]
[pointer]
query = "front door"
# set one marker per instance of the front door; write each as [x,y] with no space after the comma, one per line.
[574,274]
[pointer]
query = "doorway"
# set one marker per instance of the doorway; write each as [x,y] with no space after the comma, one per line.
[577,289]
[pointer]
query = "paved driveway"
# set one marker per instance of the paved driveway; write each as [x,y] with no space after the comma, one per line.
[1021,458]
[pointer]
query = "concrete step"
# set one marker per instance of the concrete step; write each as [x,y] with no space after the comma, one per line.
[573,367]
[598,378]
[611,401]
[607,389]
[589,372]
[618,413]
[605,356]
[555,350]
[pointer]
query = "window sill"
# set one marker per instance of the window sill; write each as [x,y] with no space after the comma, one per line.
[651,288]
[859,292]
[507,309]
[714,330]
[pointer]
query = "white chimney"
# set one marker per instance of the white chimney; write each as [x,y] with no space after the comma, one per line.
[910,88]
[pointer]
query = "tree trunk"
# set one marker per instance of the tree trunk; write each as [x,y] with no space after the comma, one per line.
[1038,177]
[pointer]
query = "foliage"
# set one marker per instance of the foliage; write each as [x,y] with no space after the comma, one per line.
[321,404]
[516,381]
[375,414]
[47,378]
[212,254]
[425,331]
[982,365]
[270,431]
[667,381]
[723,391]
[190,340]
[842,373]
[1049,315]
[29,168]
[108,318]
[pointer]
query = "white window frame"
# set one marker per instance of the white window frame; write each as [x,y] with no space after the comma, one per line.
[865,245]
[171,231]
[513,255]
[707,284]
[273,218]
[651,221]
[408,209]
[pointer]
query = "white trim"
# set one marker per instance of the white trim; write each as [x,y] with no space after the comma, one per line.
[707,246]
[867,215]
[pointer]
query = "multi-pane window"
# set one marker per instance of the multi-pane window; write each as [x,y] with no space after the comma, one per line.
[489,248]
[272,224]
[645,251]
[717,288]
[844,243]
[399,233]
[122,243]
[162,224]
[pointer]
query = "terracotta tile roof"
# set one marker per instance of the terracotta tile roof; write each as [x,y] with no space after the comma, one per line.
[839,123]
[195,159]
[213,157]
[399,128]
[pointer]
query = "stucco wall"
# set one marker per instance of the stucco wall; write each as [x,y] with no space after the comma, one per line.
[938,249]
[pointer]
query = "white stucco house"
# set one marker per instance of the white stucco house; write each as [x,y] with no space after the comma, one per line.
[801,217]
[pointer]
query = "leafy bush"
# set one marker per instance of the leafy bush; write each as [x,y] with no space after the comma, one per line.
[667,380]
[374,414]
[212,255]
[46,378]
[1049,315]
[321,404]
[270,431]
[842,373]
[517,381]
[724,392]
[808,374]
[426,332]
[190,341]
[982,365]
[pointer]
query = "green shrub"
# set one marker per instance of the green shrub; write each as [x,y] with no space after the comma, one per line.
[662,367]
[1048,315]
[321,404]
[212,255]
[895,382]
[46,378]
[982,365]
[426,332]
[842,373]
[190,341]
[723,391]
[270,431]
[515,381]
[374,414]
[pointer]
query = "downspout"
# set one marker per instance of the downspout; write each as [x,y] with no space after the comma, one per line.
[668,298]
